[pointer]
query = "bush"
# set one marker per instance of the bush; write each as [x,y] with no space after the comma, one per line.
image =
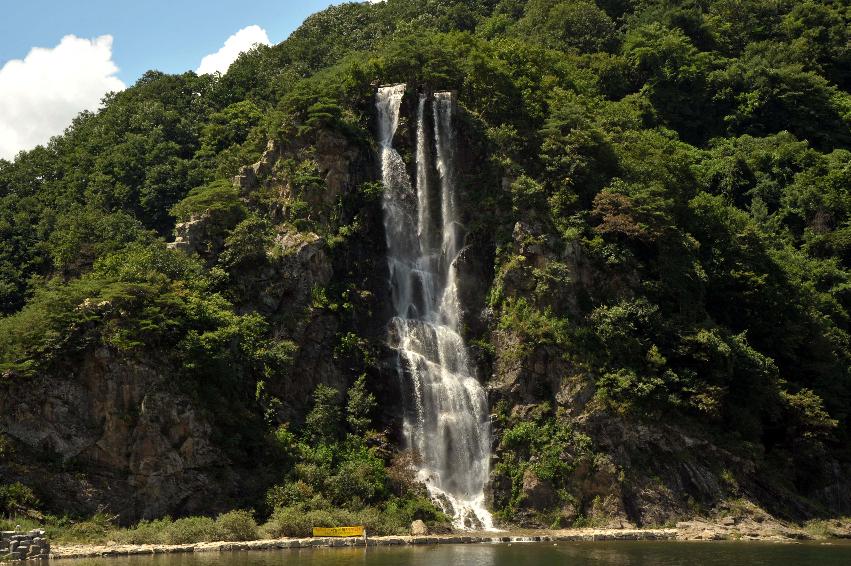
[394,519]
[92,531]
[220,199]
[146,532]
[297,522]
[16,497]
[236,526]
[291,493]
[232,526]
[191,529]
[360,477]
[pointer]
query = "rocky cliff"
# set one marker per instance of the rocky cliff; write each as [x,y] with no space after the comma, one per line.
[101,429]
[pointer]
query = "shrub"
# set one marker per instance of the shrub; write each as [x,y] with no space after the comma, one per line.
[297,522]
[394,519]
[360,477]
[91,531]
[146,532]
[292,493]
[191,529]
[16,497]
[219,199]
[237,525]
[402,473]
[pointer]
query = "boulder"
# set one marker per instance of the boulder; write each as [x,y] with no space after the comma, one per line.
[418,529]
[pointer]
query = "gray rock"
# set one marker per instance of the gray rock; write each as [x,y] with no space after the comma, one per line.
[118,415]
[537,493]
[419,528]
[201,234]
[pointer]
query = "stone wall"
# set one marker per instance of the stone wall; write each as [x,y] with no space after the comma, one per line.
[23,546]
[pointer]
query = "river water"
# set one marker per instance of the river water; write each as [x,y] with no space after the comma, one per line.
[534,554]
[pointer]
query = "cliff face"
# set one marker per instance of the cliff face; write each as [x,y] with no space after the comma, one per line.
[111,433]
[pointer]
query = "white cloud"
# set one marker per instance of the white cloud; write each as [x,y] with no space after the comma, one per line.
[243,40]
[41,94]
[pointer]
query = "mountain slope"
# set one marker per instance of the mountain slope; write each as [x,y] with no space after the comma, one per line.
[656,195]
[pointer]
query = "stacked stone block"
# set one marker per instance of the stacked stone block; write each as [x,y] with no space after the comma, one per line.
[23,546]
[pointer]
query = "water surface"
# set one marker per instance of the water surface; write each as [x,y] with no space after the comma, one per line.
[628,553]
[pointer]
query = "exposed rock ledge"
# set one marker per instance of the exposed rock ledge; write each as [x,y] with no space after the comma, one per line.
[692,530]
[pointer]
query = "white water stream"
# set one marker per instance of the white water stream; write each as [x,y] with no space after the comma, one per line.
[448,425]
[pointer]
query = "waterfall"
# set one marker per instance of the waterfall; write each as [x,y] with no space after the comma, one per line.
[447,424]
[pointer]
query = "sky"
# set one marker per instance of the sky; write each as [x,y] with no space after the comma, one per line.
[59,57]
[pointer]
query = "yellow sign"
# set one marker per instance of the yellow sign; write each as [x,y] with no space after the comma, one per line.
[338,532]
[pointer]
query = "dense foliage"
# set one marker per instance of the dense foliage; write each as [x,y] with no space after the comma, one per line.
[343,473]
[697,153]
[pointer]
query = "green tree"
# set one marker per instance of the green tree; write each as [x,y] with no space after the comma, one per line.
[324,421]
[359,407]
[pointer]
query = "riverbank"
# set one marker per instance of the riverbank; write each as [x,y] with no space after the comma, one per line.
[685,531]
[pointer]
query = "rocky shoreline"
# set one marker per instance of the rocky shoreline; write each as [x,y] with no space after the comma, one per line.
[577,535]
[686,531]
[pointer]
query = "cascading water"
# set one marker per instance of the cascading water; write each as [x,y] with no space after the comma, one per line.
[448,426]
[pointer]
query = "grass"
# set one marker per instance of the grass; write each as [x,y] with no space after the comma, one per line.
[825,528]
[27,524]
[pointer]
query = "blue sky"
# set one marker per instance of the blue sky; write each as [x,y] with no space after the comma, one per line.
[60,57]
[168,35]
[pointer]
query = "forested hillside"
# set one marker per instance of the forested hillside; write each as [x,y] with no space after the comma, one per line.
[193,282]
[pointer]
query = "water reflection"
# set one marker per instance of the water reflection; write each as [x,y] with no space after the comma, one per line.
[562,554]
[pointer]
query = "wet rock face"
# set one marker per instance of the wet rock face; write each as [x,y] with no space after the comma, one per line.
[147,448]
[337,162]
[281,288]
[474,276]
[341,164]
[526,375]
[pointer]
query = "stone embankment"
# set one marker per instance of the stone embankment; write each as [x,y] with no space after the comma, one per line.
[23,546]
[579,535]
[726,528]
